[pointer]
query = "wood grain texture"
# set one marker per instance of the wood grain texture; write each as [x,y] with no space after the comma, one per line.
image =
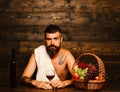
[88,26]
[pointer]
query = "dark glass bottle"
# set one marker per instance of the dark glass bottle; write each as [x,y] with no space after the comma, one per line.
[13,79]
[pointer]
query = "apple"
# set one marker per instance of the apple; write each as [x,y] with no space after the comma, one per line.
[97,78]
[75,76]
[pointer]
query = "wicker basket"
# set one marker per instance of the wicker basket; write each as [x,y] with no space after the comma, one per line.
[92,84]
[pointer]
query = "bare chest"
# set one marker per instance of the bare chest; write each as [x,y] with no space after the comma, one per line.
[61,69]
[60,65]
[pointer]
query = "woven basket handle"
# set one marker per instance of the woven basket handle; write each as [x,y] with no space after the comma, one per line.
[99,61]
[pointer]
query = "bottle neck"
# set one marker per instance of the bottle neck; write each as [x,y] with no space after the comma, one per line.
[13,55]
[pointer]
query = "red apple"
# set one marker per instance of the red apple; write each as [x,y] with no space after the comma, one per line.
[97,78]
[76,76]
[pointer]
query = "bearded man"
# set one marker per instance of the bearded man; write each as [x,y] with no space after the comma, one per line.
[50,56]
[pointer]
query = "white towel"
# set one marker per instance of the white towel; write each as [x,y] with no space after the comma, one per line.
[43,64]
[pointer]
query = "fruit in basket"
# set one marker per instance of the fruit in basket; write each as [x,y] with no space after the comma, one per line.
[81,72]
[85,71]
[75,76]
[97,78]
[94,69]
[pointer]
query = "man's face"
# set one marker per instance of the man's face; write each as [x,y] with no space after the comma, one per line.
[53,43]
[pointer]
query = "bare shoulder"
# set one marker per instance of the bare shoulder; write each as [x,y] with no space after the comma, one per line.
[66,51]
[69,56]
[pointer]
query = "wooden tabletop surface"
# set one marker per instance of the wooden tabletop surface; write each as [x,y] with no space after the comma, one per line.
[109,86]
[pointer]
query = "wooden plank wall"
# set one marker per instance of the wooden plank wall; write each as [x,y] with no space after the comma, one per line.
[88,26]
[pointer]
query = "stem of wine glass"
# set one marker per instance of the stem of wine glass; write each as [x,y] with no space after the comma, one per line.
[50,74]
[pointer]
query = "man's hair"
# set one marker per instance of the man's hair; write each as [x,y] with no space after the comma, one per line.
[52,29]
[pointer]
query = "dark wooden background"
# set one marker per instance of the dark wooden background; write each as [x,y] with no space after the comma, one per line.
[88,26]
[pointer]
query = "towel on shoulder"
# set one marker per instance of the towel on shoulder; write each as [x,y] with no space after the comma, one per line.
[44,63]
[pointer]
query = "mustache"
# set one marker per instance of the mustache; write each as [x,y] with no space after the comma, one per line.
[52,45]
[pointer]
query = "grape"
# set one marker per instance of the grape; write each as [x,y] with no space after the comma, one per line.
[91,74]
[86,72]
[76,68]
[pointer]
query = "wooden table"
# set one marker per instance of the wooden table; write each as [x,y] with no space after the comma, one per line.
[110,86]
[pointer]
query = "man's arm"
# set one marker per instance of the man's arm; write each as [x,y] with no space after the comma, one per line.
[26,80]
[29,70]
[70,62]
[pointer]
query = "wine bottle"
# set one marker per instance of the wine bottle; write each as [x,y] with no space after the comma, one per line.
[13,79]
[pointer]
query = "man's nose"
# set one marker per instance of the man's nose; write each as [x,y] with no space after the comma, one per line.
[52,41]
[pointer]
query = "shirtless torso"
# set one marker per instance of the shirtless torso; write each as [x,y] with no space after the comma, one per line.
[63,64]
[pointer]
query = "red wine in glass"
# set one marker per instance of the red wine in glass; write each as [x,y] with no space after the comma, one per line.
[50,77]
[50,74]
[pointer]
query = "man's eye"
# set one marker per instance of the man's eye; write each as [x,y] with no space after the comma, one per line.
[56,38]
[48,39]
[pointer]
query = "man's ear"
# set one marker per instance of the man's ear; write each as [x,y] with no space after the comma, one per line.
[61,39]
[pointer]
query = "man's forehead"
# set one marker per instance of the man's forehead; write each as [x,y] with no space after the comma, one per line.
[53,34]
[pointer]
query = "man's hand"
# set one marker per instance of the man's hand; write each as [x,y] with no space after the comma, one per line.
[58,84]
[41,84]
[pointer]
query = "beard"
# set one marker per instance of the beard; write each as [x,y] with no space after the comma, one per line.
[52,50]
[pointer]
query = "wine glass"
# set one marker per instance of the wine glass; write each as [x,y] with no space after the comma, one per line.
[50,74]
